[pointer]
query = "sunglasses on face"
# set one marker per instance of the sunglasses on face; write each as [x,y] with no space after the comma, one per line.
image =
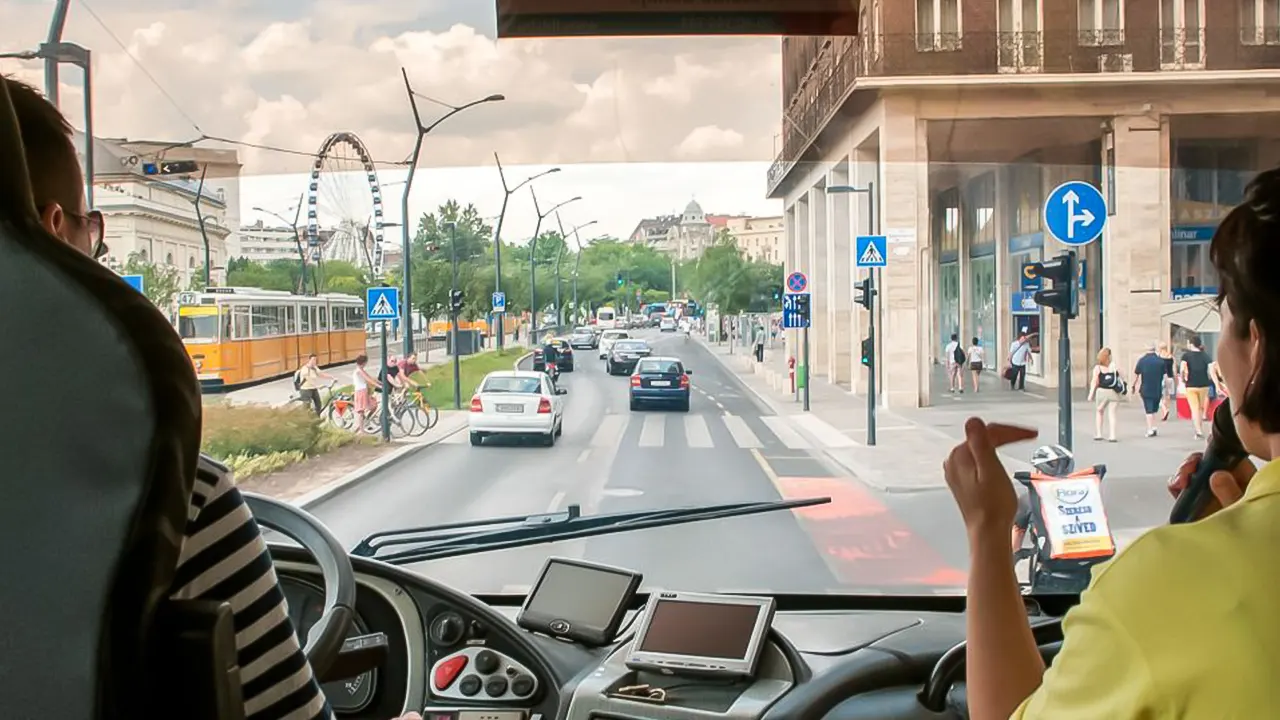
[97,227]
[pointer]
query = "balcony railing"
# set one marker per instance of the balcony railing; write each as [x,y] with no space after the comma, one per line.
[996,53]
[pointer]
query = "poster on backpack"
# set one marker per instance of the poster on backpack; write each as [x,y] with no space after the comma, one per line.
[1074,517]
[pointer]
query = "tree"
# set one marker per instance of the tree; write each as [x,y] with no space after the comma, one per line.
[160,283]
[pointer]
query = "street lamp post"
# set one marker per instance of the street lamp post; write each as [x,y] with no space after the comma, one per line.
[577,262]
[55,52]
[497,235]
[533,265]
[406,301]
[873,363]
[297,241]
[453,316]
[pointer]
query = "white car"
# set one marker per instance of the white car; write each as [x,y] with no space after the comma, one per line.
[517,403]
[608,338]
[667,325]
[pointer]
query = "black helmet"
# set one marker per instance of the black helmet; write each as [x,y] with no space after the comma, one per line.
[1053,460]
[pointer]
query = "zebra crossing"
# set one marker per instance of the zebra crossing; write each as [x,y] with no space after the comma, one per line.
[706,431]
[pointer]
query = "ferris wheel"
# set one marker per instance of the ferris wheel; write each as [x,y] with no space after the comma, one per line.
[344,205]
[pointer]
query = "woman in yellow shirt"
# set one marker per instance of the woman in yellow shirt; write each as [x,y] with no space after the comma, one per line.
[1183,623]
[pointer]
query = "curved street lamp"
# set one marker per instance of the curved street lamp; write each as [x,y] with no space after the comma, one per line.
[533,246]
[297,239]
[507,192]
[577,262]
[406,302]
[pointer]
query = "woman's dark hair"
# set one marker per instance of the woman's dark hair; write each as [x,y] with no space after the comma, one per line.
[975,341]
[1246,252]
[362,359]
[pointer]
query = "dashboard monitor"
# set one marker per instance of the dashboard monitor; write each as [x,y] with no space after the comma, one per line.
[579,601]
[693,633]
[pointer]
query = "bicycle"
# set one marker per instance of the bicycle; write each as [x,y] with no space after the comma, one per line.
[425,415]
[402,422]
[338,409]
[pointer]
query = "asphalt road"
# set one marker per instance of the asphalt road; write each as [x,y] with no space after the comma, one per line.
[728,448]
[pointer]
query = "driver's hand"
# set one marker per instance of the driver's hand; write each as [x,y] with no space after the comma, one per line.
[1227,487]
[978,481]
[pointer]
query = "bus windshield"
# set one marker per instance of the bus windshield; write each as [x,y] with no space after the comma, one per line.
[198,327]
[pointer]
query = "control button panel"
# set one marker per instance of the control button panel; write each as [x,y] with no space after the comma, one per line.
[479,673]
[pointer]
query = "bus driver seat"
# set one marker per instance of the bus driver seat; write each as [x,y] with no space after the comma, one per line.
[98,465]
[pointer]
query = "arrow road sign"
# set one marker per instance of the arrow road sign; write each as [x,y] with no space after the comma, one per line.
[793,315]
[1075,213]
[382,303]
[871,250]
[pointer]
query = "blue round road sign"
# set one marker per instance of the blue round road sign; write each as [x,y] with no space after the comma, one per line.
[797,282]
[1075,213]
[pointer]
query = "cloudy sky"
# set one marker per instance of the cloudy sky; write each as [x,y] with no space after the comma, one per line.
[638,126]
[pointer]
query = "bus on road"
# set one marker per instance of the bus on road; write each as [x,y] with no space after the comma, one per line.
[606,317]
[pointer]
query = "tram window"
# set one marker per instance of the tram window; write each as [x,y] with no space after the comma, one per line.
[203,327]
[339,318]
[305,312]
[266,321]
[290,320]
[323,324]
[240,323]
[355,318]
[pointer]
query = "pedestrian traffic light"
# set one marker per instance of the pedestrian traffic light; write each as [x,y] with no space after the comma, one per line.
[867,349]
[620,280]
[1063,296]
[455,301]
[864,293]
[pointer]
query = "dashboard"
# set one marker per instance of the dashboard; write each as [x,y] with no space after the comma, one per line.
[452,656]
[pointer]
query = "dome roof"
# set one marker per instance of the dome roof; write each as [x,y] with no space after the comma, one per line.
[693,208]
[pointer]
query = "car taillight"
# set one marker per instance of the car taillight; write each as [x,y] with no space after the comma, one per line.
[635,381]
[544,406]
[476,405]
[684,381]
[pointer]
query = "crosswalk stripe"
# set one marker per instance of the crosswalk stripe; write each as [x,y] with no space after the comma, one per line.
[820,429]
[789,437]
[696,432]
[742,434]
[609,434]
[652,431]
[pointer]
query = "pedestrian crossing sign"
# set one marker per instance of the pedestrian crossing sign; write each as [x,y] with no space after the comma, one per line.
[382,303]
[871,250]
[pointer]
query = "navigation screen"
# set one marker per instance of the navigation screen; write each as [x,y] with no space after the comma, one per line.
[587,597]
[709,630]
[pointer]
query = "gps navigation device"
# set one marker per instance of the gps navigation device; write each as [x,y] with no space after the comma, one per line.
[579,601]
[693,633]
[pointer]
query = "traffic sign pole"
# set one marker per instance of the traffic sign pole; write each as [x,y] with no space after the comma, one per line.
[386,389]
[804,343]
[872,363]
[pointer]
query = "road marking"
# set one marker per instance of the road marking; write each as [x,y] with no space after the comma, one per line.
[789,437]
[742,434]
[582,456]
[652,432]
[826,435]
[609,434]
[768,470]
[554,505]
[710,397]
[696,432]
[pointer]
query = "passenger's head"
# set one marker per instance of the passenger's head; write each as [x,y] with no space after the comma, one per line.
[1195,343]
[975,342]
[56,180]
[362,360]
[1162,348]
[1104,356]
[1246,251]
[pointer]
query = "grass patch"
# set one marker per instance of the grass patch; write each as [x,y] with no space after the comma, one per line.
[258,440]
[472,370]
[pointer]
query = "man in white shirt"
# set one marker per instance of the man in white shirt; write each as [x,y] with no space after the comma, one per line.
[1019,356]
[953,355]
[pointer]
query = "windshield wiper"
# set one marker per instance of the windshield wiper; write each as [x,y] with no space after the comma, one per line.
[433,542]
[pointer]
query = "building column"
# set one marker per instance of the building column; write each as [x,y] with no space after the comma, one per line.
[1136,242]
[839,267]
[819,287]
[905,302]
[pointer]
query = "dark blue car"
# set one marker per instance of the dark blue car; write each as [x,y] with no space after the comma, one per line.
[660,381]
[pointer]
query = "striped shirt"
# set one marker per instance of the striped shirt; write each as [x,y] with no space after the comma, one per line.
[225,558]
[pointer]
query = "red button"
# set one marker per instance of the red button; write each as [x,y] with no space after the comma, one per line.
[448,671]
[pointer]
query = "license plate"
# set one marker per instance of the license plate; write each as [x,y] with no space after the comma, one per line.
[510,408]
[661,383]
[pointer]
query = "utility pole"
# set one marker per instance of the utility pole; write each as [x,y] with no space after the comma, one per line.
[533,260]
[406,301]
[455,306]
[497,237]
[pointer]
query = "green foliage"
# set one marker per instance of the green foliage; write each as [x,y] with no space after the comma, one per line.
[335,276]
[160,283]
[257,440]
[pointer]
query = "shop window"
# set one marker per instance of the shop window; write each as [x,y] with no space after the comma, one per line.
[1026,197]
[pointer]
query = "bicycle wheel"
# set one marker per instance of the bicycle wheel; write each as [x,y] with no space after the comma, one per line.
[341,414]
[402,423]
[421,421]
[432,415]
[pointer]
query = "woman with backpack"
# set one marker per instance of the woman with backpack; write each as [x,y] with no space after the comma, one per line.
[1106,389]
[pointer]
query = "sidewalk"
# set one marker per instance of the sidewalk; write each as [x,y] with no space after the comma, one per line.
[911,443]
[279,393]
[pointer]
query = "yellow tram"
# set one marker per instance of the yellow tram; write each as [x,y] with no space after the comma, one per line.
[237,335]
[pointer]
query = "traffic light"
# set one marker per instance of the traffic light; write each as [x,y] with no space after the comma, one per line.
[864,294]
[867,349]
[455,300]
[620,282]
[178,167]
[1063,295]
[777,293]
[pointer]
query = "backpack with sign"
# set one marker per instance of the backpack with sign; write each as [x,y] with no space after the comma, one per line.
[958,354]
[1073,517]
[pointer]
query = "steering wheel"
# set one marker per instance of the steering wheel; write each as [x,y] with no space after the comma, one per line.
[325,639]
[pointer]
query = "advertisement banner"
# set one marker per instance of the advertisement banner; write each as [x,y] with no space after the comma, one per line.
[1074,516]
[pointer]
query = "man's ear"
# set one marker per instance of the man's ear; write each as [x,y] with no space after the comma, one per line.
[52,219]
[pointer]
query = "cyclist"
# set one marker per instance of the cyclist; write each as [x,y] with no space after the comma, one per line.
[550,357]
[1049,460]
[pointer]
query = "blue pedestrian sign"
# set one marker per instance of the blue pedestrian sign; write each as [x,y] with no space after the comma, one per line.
[797,282]
[499,302]
[794,316]
[871,251]
[382,303]
[135,281]
[1075,213]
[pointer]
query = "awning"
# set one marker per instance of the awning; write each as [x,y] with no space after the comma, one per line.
[1197,314]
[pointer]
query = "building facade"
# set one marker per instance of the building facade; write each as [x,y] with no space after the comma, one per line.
[685,236]
[951,121]
[758,238]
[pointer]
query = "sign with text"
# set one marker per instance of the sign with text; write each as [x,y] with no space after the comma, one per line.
[1073,516]
[604,18]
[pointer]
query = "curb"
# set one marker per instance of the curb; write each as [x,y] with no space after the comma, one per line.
[760,399]
[355,477]
[522,358]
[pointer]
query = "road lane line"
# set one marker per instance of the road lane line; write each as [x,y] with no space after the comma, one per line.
[582,456]
[652,432]
[556,499]
[742,434]
[696,432]
[789,437]
[609,434]
[820,429]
